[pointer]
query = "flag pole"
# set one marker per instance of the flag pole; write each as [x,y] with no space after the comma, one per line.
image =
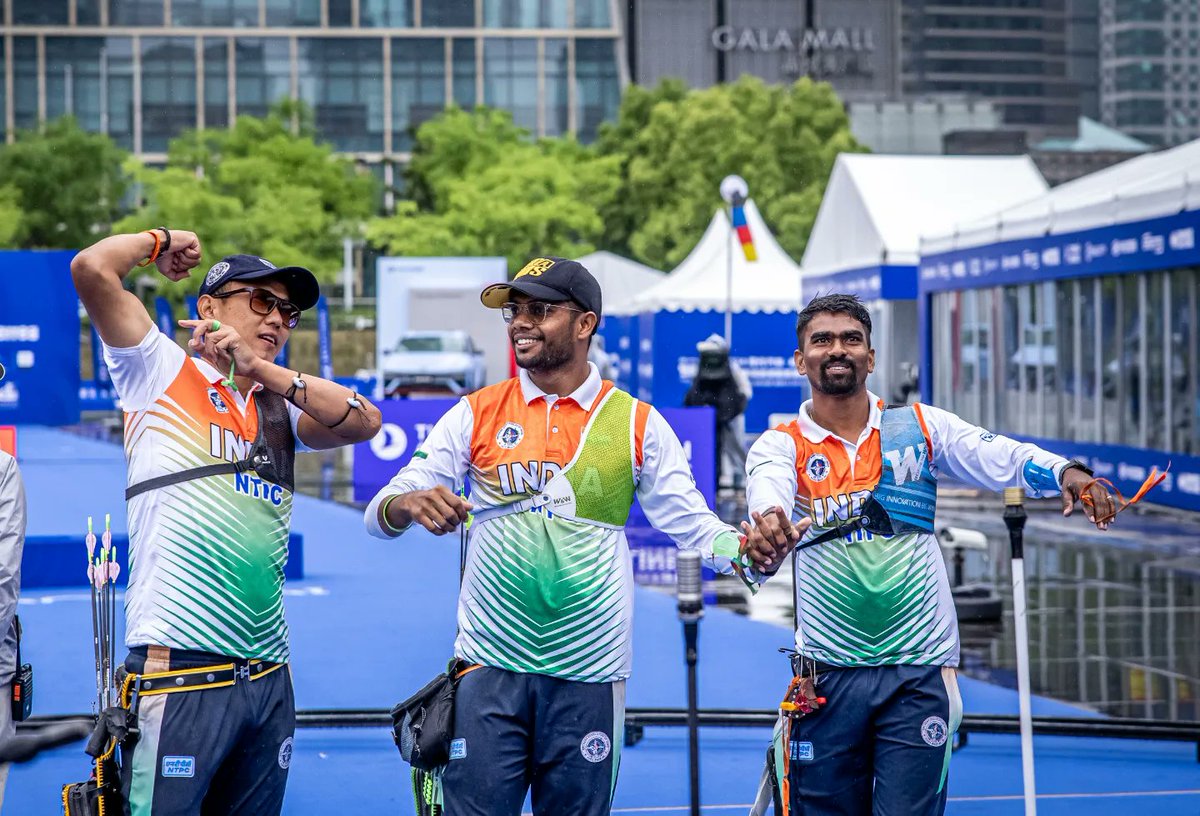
[729,284]
[734,191]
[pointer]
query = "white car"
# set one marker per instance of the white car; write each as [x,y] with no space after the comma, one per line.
[433,361]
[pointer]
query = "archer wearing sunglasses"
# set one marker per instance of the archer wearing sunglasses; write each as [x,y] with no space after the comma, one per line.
[211,441]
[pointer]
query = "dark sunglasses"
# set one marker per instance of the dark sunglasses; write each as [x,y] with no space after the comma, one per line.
[263,302]
[536,310]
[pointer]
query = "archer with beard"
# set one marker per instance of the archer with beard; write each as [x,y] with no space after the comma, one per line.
[876,687]
[555,457]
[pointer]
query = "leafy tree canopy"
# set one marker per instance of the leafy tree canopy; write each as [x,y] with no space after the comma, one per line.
[66,186]
[264,187]
[674,147]
[480,186]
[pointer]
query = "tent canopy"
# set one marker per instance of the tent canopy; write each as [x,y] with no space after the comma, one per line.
[620,279]
[701,281]
[1148,186]
[876,207]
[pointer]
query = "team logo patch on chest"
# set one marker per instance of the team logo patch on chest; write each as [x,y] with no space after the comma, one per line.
[510,435]
[817,467]
[218,402]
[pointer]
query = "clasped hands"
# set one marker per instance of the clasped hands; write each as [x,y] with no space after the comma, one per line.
[771,537]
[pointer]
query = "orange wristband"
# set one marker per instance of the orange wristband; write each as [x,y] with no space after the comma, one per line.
[157,244]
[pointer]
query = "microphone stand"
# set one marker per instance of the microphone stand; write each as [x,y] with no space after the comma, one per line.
[691,609]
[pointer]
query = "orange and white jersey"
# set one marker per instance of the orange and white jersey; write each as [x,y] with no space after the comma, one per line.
[865,599]
[206,556]
[542,593]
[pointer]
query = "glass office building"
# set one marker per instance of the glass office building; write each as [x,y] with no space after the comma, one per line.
[1108,359]
[372,70]
[1150,69]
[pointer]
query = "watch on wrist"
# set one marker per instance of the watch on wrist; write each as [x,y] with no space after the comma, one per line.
[1075,464]
[166,241]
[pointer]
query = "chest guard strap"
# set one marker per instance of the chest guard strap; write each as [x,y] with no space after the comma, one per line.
[272,456]
[905,499]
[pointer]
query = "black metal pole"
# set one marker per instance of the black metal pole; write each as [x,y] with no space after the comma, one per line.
[690,597]
[691,632]
[722,19]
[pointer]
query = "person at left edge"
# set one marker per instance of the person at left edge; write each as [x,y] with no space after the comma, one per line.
[12,546]
[207,548]
[555,457]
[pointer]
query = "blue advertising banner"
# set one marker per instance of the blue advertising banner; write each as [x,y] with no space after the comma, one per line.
[98,393]
[164,316]
[620,333]
[193,308]
[1128,467]
[406,424]
[324,341]
[762,345]
[1157,243]
[889,282]
[39,338]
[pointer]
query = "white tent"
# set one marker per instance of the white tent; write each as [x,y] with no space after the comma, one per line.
[701,281]
[877,207]
[620,280]
[1149,186]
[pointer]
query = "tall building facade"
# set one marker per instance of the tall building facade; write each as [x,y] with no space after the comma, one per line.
[1150,69]
[143,71]
[1011,52]
[852,44]
[1033,61]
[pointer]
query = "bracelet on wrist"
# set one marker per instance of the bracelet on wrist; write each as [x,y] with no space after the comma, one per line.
[157,248]
[387,525]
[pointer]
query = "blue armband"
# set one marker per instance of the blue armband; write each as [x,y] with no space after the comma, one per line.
[1039,478]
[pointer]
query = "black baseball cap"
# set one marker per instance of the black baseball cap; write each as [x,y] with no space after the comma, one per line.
[302,286]
[549,279]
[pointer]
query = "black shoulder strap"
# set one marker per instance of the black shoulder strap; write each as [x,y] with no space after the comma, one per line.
[272,455]
[187,476]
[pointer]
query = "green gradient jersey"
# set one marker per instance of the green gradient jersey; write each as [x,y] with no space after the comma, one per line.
[556,598]
[548,587]
[207,555]
[863,599]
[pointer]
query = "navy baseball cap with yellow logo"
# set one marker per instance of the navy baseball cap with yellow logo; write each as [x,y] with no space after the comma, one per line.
[550,279]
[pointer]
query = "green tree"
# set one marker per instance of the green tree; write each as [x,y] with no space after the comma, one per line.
[674,147]
[264,187]
[12,222]
[481,187]
[67,184]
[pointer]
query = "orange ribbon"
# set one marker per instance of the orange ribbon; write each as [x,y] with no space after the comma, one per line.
[1152,481]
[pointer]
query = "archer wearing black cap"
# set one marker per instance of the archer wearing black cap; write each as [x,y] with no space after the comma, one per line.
[532,302]
[556,457]
[210,441]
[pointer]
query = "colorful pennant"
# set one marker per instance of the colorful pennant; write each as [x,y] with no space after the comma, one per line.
[743,229]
